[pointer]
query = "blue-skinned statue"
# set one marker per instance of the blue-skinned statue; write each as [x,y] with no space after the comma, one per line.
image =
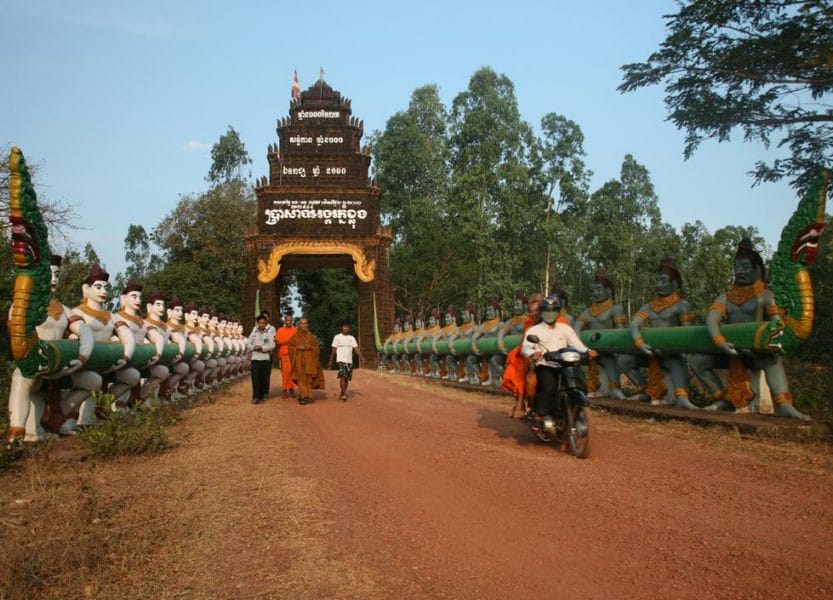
[667,309]
[456,370]
[748,300]
[604,313]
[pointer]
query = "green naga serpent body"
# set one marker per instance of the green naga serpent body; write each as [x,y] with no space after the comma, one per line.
[32,293]
[790,284]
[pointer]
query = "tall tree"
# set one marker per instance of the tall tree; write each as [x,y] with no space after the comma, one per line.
[763,66]
[228,156]
[411,166]
[567,180]
[625,232]
[203,246]
[498,199]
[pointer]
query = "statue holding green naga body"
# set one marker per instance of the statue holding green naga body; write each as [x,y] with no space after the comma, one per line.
[667,309]
[604,313]
[749,300]
[487,329]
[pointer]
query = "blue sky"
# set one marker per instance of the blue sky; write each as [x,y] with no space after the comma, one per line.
[121,101]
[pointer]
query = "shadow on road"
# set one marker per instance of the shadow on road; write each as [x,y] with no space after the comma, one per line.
[505,427]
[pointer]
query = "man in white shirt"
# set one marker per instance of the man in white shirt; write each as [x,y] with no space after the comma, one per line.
[344,345]
[552,335]
[261,343]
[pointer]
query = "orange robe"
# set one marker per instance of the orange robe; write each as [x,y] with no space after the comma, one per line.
[514,376]
[306,366]
[282,337]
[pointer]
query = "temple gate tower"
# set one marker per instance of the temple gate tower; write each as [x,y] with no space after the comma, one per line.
[318,208]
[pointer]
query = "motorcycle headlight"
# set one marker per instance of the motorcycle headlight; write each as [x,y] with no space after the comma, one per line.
[571,356]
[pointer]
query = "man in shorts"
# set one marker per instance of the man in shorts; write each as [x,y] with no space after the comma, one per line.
[344,345]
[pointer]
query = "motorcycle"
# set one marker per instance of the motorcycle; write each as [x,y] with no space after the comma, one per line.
[574,422]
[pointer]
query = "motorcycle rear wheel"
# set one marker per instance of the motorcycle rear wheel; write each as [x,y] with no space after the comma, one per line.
[579,427]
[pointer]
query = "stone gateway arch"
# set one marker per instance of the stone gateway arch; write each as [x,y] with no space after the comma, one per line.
[319,208]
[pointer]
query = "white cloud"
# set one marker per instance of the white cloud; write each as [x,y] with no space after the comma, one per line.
[193,146]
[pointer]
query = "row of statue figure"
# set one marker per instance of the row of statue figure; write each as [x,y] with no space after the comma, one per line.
[62,402]
[658,376]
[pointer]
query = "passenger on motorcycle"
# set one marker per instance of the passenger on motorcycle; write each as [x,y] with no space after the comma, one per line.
[552,335]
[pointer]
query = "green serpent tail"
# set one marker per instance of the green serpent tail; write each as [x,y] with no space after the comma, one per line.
[30,248]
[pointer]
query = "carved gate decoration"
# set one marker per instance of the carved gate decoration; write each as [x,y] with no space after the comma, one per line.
[319,208]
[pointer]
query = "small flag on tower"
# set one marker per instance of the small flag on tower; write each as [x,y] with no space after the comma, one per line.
[296,87]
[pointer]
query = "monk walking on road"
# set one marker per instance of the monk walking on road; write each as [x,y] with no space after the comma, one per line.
[282,337]
[304,356]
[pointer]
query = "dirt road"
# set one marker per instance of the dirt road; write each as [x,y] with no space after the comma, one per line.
[410,490]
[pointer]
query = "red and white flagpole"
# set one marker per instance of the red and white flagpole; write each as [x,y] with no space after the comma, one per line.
[296,86]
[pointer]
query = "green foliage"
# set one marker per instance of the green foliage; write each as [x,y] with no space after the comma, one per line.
[228,158]
[203,247]
[9,453]
[74,270]
[762,67]
[129,433]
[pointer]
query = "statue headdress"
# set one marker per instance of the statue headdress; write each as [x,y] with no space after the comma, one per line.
[154,296]
[131,286]
[601,277]
[747,250]
[175,301]
[97,274]
[667,266]
[55,260]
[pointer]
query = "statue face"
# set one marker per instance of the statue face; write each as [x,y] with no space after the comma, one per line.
[131,300]
[97,292]
[599,293]
[449,319]
[418,324]
[223,324]
[518,307]
[157,309]
[56,274]
[213,322]
[466,316]
[745,272]
[407,326]
[204,319]
[432,321]
[490,312]
[665,285]
[193,316]
[175,313]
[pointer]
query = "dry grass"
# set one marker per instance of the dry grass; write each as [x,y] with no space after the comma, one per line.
[219,515]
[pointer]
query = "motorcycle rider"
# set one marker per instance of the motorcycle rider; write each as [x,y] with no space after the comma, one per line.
[552,335]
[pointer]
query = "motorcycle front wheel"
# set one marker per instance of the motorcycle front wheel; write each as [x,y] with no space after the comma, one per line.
[579,431]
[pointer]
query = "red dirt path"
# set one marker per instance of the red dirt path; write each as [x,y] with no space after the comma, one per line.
[457,500]
[414,490]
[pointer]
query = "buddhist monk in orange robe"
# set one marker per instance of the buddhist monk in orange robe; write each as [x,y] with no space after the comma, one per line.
[514,377]
[282,337]
[306,367]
